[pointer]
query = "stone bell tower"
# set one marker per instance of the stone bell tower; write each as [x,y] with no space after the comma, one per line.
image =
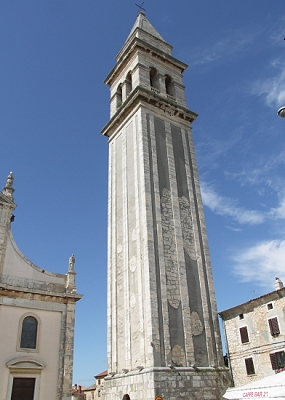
[163,332]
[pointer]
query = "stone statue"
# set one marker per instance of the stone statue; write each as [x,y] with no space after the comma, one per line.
[71,263]
[8,190]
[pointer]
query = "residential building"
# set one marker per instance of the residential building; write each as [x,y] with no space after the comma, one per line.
[37,311]
[100,380]
[255,336]
[96,391]
[78,392]
[90,392]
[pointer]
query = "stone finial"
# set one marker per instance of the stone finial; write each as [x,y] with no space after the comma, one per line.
[8,190]
[71,263]
[278,284]
[70,281]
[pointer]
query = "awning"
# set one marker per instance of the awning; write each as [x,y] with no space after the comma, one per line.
[270,388]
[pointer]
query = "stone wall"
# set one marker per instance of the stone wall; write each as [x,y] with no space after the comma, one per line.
[170,384]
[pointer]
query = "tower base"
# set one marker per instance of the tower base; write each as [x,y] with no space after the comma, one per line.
[168,384]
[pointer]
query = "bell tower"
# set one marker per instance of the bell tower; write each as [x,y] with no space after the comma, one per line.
[163,332]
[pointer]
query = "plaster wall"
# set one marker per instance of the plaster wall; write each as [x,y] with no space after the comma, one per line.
[47,348]
[17,265]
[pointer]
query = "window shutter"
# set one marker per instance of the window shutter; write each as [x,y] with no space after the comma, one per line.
[274,360]
[249,366]
[274,326]
[244,334]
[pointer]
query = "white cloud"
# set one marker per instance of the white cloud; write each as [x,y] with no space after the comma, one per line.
[272,89]
[261,263]
[211,152]
[227,207]
[263,172]
[278,212]
[224,47]
[231,228]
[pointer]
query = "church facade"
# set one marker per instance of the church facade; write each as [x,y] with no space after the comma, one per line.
[37,310]
[163,333]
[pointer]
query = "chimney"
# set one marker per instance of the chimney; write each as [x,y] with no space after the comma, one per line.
[79,389]
[278,284]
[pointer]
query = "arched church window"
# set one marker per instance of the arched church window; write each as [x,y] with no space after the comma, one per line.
[119,96]
[169,85]
[153,78]
[29,333]
[128,83]
[126,397]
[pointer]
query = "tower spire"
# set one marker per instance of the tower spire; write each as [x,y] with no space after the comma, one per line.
[8,190]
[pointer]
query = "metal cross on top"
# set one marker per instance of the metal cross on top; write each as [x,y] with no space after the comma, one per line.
[140,6]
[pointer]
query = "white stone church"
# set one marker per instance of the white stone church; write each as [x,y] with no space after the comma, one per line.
[37,310]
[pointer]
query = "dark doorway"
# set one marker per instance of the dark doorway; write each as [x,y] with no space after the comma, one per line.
[23,389]
[126,397]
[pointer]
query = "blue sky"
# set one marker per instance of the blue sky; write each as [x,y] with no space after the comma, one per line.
[55,55]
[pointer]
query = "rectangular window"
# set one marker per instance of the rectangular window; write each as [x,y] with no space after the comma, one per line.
[269,306]
[241,316]
[23,388]
[244,334]
[249,366]
[277,360]
[274,326]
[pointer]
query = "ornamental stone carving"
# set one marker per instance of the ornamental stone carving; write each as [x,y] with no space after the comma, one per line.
[170,256]
[187,227]
[196,324]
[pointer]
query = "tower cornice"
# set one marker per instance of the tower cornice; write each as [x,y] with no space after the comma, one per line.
[144,95]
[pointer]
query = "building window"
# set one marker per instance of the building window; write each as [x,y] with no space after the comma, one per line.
[169,86]
[269,306]
[128,84]
[244,334]
[277,360]
[241,316]
[23,388]
[119,96]
[153,78]
[249,366]
[29,333]
[274,326]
